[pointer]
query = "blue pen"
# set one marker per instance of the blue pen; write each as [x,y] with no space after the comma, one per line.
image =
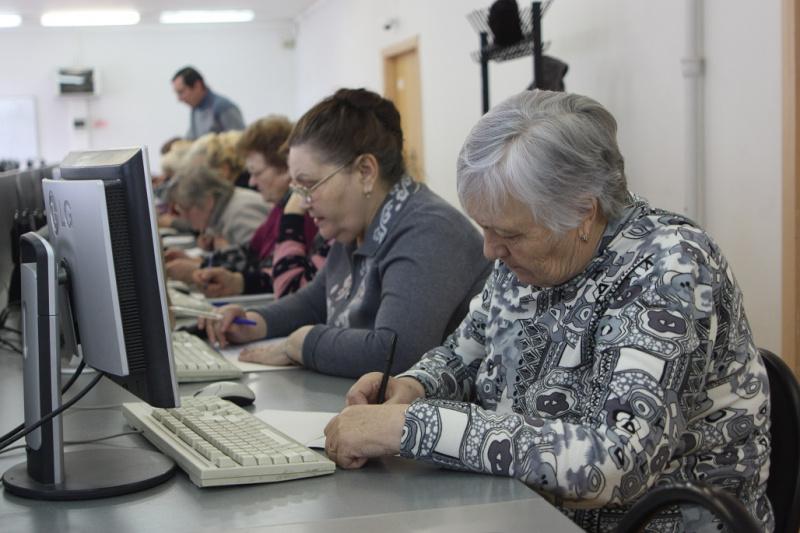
[210,314]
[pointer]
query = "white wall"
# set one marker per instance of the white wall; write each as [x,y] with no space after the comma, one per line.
[624,53]
[247,63]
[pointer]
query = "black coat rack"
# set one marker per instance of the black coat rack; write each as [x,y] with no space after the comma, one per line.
[531,44]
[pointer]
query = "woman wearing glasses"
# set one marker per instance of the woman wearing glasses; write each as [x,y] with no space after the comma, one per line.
[404,260]
[285,251]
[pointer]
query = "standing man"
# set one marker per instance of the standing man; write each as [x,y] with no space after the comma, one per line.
[211,112]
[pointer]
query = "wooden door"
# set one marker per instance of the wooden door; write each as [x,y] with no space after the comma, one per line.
[402,86]
[790,346]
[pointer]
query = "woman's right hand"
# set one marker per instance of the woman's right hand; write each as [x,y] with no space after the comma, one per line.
[398,390]
[218,281]
[171,254]
[224,331]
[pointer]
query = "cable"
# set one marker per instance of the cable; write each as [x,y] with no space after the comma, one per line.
[74,442]
[53,414]
[64,389]
[12,330]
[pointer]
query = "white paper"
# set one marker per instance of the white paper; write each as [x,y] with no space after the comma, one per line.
[306,427]
[231,353]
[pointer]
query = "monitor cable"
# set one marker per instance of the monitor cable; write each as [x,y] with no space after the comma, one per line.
[72,401]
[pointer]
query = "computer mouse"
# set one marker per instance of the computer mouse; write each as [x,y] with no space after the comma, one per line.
[238,393]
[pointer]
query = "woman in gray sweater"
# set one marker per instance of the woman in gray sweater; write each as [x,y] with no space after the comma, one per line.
[404,261]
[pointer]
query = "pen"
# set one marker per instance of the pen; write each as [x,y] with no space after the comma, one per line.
[388,370]
[210,314]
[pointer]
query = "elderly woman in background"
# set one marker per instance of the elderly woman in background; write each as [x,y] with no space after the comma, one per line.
[285,251]
[224,215]
[405,262]
[609,351]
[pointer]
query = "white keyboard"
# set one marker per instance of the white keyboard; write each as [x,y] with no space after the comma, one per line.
[218,443]
[195,360]
[179,299]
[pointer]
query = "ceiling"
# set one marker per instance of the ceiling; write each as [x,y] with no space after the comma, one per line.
[265,10]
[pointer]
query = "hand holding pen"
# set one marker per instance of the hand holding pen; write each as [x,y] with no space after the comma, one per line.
[224,329]
[380,387]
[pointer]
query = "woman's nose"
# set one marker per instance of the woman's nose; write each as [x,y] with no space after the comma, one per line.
[494,250]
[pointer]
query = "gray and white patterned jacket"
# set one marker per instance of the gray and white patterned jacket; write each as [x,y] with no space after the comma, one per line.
[639,371]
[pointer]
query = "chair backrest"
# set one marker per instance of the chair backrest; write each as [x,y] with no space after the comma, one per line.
[783,486]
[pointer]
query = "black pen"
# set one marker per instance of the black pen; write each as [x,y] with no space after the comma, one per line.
[388,370]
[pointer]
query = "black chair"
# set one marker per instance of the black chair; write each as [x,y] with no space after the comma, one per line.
[783,486]
[720,502]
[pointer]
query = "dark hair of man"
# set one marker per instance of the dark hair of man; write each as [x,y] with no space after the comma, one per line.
[267,136]
[354,122]
[189,75]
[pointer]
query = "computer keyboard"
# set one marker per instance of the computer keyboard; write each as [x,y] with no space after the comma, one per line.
[195,360]
[218,443]
[186,301]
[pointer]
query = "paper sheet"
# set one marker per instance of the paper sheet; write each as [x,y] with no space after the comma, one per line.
[231,353]
[306,427]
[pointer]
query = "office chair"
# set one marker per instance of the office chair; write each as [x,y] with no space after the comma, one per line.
[720,502]
[783,485]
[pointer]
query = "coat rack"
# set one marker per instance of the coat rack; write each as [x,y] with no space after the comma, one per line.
[531,44]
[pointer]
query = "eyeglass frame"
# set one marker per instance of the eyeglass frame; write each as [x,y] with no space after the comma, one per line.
[306,192]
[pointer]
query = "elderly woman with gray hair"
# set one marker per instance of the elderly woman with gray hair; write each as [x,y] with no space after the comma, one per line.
[223,215]
[608,352]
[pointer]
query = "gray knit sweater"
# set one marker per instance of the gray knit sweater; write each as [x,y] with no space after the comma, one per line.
[420,263]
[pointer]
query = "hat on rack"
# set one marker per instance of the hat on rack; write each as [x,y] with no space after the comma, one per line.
[504,22]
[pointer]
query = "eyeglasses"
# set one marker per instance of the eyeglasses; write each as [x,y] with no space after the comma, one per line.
[306,192]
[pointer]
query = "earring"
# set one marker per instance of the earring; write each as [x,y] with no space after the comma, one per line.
[367,194]
[584,237]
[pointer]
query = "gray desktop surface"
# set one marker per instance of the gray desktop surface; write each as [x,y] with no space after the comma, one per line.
[391,494]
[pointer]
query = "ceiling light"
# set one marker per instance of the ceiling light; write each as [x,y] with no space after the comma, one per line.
[206,17]
[117,17]
[9,20]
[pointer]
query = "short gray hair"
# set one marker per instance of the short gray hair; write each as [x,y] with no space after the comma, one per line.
[195,182]
[552,151]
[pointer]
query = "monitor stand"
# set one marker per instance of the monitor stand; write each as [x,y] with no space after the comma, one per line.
[49,473]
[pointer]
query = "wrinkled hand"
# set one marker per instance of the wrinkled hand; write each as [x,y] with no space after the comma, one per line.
[398,390]
[205,241]
[361,432]
[165,220]
[218,281]
[219,243]
[182,269]
[224,331]
[175,253]
[289,352]
[273,354]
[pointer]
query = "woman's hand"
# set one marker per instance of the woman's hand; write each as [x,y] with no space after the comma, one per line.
[398,390]
[361,432]
[289,352]
[171,254]
[220,243]
[218,281]
[224,331]
[296,205]
[205,241]
[182,269]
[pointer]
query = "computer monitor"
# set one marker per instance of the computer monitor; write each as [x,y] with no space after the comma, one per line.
[104,260]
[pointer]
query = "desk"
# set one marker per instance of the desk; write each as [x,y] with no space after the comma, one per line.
[390,494]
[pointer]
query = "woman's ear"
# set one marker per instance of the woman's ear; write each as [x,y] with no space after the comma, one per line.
[593,214]
[368,169]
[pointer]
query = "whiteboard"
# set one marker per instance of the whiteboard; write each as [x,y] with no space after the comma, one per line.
[19,133]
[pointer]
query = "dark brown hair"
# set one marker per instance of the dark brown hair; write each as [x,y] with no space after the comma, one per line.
[268,136]
[353,122]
